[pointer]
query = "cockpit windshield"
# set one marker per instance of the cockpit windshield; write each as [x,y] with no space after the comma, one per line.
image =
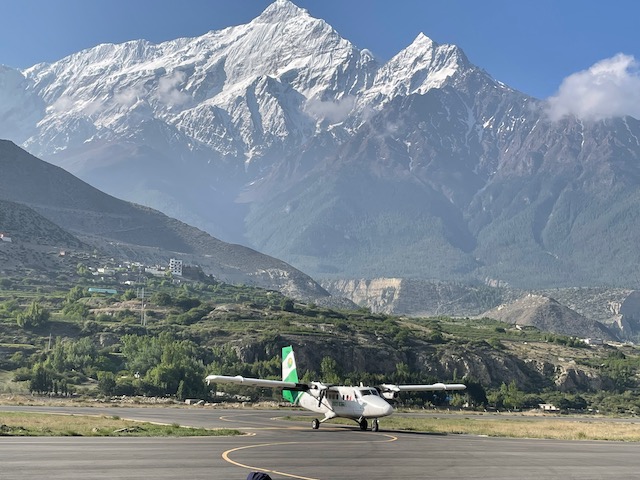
[368,391]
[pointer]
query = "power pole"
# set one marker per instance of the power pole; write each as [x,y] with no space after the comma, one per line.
[143,320]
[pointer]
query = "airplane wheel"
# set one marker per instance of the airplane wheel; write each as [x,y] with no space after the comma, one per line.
[363,424]
[315,424]
[374,425]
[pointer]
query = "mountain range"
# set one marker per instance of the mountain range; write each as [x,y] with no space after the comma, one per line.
[283,136]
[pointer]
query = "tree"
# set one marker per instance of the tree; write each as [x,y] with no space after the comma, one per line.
[402,373]
[107,383]
[76,310]
[129,294]
[75,294]
[475,393]
[511,396]
[164,363]
[329,370]
[82,270]
[161,299]
[287,305]
[41,380]
[34,316]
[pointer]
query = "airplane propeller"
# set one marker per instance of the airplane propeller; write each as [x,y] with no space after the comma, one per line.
[323,388]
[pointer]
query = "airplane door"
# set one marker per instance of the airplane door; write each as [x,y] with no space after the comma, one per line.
[356,404]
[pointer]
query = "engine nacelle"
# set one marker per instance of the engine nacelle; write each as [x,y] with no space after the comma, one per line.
[389,395]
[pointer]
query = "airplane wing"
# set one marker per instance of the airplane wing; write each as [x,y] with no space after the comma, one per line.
[391,391]
[257,382]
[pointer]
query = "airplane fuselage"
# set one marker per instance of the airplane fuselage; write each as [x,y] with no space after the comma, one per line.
[348,402]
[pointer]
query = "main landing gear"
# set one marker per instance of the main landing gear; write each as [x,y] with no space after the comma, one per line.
[315,424]
[363,424]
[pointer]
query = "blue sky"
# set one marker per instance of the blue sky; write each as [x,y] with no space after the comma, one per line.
[530,45]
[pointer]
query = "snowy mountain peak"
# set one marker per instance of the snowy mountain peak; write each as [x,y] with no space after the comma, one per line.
[422,41]
[426,53]
[418,68]
[281,10]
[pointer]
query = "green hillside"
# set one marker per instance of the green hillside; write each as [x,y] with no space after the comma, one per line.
[60,339]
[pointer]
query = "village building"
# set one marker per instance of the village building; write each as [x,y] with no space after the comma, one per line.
[175,267]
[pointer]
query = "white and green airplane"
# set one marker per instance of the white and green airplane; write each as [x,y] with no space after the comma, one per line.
[334,401]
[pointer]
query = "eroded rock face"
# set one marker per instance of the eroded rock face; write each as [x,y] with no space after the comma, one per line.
[630,307]
[543,367]
[576,380]
[532,369]
[485,365]
[482,363]
[381,295]
[401,296]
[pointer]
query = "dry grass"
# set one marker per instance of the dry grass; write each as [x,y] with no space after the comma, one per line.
[35,424]
[522,428]
[509,427]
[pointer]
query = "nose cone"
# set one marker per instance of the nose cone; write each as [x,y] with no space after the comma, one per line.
[376,407]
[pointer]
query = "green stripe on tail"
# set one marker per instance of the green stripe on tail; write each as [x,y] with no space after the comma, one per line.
[289,374]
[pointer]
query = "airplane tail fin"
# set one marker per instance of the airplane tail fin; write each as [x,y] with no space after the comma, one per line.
[289,373]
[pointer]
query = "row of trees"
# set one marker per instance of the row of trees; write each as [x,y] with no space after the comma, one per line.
[162,365]
[147,365]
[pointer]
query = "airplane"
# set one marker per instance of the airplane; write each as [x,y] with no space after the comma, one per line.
[360,404]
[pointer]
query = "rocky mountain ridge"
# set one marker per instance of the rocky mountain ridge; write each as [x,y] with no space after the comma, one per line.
[548,315]
[600,313]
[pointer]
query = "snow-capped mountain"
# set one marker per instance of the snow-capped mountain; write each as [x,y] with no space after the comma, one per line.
[283,135]
[239,91]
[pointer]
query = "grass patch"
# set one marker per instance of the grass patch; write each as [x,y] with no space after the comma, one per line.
[7,385]
[514,428]
[20,424]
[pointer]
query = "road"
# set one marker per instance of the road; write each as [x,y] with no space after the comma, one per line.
[289,451]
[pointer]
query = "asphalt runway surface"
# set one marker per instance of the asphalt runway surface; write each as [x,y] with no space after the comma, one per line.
[289,450]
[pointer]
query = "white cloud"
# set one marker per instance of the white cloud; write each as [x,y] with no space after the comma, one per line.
[63,104]
[129,96]
[168,92]
[334,112]
[610,88]
[67,104]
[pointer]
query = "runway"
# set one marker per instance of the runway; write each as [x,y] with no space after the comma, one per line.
[293,451]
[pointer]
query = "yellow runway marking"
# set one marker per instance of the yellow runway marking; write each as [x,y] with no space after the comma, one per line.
[225,455]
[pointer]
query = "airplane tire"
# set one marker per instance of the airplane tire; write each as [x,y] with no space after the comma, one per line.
[315,424]
[363,424]
[374,425]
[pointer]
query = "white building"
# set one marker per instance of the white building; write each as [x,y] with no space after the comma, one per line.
[175,267]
